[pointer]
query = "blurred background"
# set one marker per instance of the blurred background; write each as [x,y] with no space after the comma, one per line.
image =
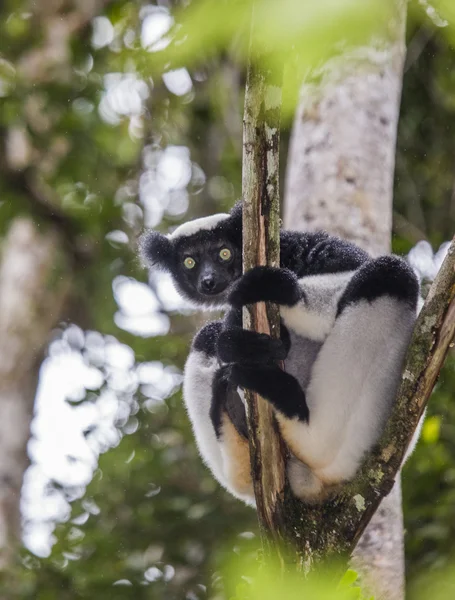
[115,116]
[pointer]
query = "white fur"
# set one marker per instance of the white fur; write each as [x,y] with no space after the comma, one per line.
[352,382]
[304,483]
[314,316]
[197,394]
[351,390]
[199,372]
[192,227]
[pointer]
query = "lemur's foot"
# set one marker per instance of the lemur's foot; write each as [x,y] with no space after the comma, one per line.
[275,385]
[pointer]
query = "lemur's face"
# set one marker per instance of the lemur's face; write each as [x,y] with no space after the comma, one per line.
[205,269]
[204,256]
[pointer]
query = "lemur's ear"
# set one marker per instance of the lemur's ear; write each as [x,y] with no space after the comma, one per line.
[155,250]
[236,213]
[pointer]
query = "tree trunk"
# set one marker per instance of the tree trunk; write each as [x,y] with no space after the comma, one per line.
[261,246]
[33,285]
[340,178]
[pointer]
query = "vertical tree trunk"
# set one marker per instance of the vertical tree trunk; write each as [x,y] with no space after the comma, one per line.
[33,285]
[340,178]
[261,246]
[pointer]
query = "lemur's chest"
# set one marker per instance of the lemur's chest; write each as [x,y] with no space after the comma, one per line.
[301,357]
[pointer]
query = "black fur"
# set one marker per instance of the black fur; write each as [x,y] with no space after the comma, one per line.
[206,339]
[233,318]
[219,393]
[285,338]
[266,284]
[236,411]
[383,276]
[156,250]
[318,253]
[225,398]
[277,386]
[239,345]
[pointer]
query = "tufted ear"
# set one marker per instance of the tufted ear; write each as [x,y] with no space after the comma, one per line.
[155,250]
[236,213]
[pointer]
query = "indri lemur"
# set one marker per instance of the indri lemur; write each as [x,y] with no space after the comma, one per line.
[346,324]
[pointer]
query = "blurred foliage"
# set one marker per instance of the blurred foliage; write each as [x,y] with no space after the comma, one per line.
[268,583]
[115,114]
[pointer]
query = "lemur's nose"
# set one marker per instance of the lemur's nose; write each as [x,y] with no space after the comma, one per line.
[208,283]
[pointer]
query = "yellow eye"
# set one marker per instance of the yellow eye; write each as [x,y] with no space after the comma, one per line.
[225,254]
[189,262]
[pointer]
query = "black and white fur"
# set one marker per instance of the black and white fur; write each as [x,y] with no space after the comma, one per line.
[346,324]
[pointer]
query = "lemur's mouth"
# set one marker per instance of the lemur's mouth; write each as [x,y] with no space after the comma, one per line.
[215,293]
[218,298]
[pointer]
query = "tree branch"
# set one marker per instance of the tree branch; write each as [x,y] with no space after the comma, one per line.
[433,333]
[261,246]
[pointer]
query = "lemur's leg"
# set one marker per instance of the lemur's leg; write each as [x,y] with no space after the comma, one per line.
[278,387]
[236,344]
[222,447]
[229,421]
[200,369]
[355,377]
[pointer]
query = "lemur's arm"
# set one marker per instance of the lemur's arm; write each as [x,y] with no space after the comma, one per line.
[314,270]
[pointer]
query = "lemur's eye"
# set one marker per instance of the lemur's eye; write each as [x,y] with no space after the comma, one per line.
[225,254]
[189,262]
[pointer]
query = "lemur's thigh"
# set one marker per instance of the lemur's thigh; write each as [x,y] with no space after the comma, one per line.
[199,374]
[355,376]
[217,414]
[229,421]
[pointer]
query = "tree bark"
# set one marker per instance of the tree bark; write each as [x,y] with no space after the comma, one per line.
[261,246]
[33,285]
[340,179]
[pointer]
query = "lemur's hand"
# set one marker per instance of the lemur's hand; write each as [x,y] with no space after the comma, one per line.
[242,346]
[266,284]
